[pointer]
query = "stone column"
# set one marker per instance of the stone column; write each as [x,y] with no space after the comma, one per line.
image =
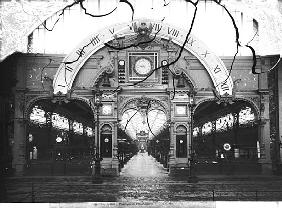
[19,143]
[189,133]
[115,162]
[264,140]
[172,148]
[279,70]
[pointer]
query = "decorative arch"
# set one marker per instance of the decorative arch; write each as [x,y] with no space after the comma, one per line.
[106,128]
[31,103]
[181,129]
[253,105]
[104,124]
[126,107]
[179,124]
[250,101]
[73,62]
[101,73]
[186,76]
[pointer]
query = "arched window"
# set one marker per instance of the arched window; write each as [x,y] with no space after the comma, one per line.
[181,142]
[106,141]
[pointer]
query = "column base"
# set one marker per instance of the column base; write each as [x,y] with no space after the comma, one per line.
[110,167]
[178,171]
[279,169]
[266,169]
[193,179]
[19,169]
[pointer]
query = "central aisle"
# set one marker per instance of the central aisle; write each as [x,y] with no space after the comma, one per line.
[143,165]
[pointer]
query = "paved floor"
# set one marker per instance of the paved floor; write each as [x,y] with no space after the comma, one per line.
[144,180]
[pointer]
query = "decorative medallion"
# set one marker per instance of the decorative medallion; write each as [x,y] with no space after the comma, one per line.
[143,33]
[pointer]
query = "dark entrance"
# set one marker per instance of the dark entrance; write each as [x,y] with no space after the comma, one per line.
[225,138]
[59,139]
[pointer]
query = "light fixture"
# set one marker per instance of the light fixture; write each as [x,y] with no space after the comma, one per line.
[59,139]
[30,137]
[121,62]
[164,63]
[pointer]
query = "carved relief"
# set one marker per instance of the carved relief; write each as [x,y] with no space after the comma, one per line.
[139,102]
[143,31]
[104,72]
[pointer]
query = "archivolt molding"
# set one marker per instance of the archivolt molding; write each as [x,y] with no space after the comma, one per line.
[33,101]
[254,102]
[250,100]
[177,124]
[67,73]
[126,105]
[187,77]
[107,69]
[86,101]
[111,124]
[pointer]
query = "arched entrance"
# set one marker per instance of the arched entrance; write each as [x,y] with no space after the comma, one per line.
[118,83]
[147,31]
[59,139]
[123,73]
[143,119]
[226,138]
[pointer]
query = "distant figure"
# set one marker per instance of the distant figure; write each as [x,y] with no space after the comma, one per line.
[142,149]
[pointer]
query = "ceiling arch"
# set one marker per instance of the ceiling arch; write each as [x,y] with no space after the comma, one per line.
[73,62]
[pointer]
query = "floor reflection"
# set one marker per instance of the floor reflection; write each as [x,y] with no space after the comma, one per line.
[143,165]
[143,179]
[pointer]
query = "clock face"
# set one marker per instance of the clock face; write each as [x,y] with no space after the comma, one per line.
[143,66]
[107,109]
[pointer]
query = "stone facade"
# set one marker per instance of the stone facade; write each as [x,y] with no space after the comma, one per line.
[252,88]
[17,23]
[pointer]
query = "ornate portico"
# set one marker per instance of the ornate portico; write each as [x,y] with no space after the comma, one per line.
[122,78]
[121,72]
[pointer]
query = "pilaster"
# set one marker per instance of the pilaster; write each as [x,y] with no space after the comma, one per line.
[19,142]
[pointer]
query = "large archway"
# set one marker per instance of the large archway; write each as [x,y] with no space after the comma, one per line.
[226,137]
[59,138]
[110,79]
[143,119]
[143,70]
[68,70]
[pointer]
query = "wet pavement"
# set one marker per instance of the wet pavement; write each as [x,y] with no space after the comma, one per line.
[143,179]
[143,165]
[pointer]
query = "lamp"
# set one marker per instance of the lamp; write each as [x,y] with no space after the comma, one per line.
[97,103]
[191,160]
